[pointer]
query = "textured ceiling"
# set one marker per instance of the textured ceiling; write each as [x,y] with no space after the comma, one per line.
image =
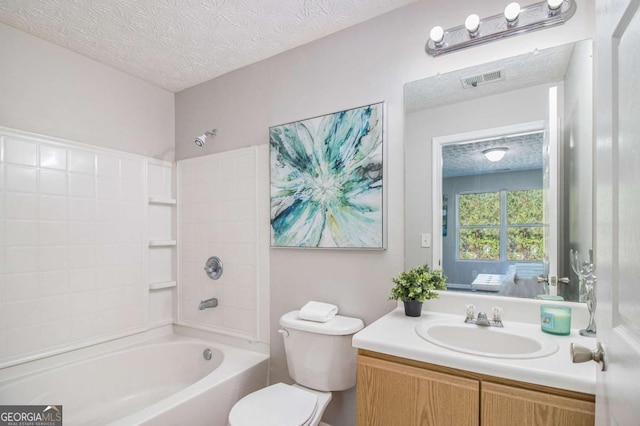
[177,44]
[524,152]
[531,69]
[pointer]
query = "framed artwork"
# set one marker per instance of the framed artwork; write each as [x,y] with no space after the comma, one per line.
[327,180]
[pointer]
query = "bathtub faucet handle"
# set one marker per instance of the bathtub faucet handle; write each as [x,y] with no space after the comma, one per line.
[213,267]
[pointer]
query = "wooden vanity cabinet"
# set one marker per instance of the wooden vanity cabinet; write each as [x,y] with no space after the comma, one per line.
[390,393]
[396,391]
[508,405]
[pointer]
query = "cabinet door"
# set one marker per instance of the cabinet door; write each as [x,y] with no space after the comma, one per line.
[391,394]
[508,406]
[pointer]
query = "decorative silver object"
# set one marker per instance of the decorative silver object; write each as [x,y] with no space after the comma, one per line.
[213,267]
[513,21]
[587,279]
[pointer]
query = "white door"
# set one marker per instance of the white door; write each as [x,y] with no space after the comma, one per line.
[617,257]
[550,190]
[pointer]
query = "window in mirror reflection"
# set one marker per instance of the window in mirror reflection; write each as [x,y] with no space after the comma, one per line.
[497,207]
[524,230]
[479,226]
[482,233]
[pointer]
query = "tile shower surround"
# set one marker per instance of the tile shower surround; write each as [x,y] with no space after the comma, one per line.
[71,244]
[74,261]
[218,218]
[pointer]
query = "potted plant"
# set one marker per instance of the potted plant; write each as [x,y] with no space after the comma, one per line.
[415,286]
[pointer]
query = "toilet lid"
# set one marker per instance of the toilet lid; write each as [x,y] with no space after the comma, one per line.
[276,405]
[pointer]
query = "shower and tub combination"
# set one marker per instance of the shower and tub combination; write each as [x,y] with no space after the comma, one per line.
[120,338]
[160,377]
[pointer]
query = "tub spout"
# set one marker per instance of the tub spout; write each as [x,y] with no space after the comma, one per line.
[209,303]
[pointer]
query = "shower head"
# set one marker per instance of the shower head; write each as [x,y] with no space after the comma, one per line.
[200,140]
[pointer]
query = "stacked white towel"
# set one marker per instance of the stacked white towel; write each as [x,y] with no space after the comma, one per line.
[318,311]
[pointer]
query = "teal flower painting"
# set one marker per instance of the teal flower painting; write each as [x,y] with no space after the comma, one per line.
[326,180]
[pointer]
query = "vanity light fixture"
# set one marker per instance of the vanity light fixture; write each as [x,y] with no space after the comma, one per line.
[436,35]
[515,20]
[511,13]
[554,6]
[495,154]
[472,24]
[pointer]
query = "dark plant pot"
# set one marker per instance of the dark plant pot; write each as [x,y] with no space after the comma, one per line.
[412,308]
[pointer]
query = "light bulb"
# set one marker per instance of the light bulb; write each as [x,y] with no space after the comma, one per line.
[511,12]
[437,34]
[472,23]
[494,154]
[554,4]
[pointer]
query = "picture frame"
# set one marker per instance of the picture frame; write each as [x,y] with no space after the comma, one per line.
[327,180]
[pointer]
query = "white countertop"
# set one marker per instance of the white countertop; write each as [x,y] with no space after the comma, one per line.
[394,334]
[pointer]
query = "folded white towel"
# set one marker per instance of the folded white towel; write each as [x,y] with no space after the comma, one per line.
[318,311]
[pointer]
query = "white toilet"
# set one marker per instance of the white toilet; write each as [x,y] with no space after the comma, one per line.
[320,360]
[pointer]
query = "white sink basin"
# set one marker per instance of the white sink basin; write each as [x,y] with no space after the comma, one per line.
[513,341]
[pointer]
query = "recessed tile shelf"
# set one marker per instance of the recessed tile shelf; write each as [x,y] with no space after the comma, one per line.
[161,285]
[165,201]
[162,243]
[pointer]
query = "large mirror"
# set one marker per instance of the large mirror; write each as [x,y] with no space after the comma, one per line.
[498,172]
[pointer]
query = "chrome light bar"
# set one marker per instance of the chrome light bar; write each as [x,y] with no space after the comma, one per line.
[513,21]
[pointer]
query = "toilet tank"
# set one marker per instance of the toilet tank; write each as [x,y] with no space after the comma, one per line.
[319,354]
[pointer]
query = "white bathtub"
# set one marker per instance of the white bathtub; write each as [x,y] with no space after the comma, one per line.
[163,380]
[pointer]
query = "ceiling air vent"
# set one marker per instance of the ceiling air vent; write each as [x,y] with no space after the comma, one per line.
[479,80]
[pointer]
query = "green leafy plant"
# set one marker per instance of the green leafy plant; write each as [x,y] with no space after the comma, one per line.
[418,284]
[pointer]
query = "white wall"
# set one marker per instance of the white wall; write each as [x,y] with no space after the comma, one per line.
[363,64]
[52,91]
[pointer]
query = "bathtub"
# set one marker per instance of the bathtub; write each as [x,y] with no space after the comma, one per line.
[158,378]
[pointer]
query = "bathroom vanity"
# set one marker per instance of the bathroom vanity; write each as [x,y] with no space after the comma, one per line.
[404,379]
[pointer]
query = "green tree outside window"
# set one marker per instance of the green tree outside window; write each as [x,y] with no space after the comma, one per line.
[481,228]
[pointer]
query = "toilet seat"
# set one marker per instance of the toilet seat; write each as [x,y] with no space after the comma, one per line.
[275,405]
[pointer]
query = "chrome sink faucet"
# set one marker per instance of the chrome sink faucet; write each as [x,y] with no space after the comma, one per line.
[482,319]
